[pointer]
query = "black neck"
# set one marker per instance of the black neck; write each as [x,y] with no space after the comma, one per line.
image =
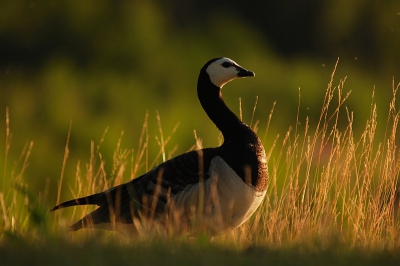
[211,99]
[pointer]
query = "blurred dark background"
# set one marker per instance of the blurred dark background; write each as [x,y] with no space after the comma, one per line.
[106,63]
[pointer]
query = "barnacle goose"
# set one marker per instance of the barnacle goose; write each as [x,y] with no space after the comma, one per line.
[216,188]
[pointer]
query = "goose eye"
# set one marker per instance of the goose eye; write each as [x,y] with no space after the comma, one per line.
[226,64]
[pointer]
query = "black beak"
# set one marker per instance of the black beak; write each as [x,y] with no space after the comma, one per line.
[245,73]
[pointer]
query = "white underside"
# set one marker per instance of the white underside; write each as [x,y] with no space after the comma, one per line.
[223,202]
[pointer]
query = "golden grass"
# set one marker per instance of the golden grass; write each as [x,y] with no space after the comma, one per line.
[337,187]
[326,186]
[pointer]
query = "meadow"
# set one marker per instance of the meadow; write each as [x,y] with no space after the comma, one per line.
[332,199]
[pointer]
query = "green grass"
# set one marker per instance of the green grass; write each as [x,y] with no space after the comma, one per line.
[332,200]
[183,253]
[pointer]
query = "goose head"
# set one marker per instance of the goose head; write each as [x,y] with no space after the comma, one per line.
[222,70]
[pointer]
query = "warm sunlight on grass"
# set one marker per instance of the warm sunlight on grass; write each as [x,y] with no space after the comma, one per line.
[329,186]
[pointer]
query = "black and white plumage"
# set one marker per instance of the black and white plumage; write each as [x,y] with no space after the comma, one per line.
[220,186]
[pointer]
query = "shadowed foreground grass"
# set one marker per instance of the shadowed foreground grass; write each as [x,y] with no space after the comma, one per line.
[175,252]
[333,199]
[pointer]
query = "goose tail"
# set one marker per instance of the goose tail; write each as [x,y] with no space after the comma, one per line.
[118,204]
[89,200]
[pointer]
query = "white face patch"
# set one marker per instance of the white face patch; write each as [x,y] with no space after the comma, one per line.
[220,75]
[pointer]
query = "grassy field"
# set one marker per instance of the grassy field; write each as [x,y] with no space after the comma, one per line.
[56,252]
[332,199]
